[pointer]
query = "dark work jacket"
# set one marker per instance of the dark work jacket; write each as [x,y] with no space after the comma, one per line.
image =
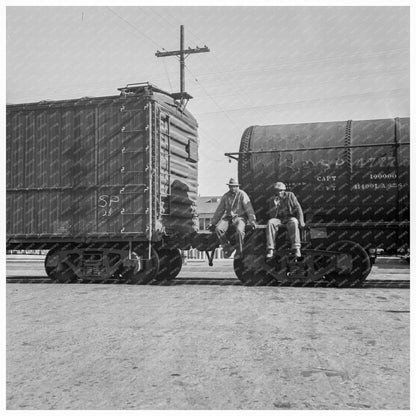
[292,204]
[234,205]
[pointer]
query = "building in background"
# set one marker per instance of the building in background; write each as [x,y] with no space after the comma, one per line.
[206,206]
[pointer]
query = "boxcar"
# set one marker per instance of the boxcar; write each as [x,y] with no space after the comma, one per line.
[107,184]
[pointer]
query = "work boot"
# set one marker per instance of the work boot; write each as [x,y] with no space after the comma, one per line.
[297,252]
[269,254]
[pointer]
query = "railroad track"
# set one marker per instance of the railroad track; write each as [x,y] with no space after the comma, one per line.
[367,284]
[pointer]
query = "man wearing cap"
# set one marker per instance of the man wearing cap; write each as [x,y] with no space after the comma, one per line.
[234,210]
[285,211]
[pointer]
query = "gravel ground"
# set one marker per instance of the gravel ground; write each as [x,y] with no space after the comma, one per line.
[206,347]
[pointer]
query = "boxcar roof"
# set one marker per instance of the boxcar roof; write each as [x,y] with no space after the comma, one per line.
[130,91]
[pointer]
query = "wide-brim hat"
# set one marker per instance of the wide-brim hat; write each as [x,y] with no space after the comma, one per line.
[279,186]
[233,182]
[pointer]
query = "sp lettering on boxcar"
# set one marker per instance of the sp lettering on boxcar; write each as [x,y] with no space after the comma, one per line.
[106,203]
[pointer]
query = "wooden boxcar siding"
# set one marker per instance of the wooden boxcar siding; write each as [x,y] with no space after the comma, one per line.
[77,168]
[177,171]
[64,162]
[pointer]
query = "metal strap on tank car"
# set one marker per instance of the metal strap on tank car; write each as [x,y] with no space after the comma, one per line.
[347,143]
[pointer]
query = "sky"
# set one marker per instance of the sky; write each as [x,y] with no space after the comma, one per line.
[266,65]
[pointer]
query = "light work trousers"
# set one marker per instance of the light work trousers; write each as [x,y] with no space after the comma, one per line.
[239,224]
[292,226]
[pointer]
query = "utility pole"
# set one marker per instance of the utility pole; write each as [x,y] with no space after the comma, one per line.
[182,95]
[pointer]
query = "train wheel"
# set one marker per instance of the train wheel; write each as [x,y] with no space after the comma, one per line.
[360,267]
[58,267]
[170,264]
[51,263]
[141,270]
[239,269]
[251,269]
[249,277]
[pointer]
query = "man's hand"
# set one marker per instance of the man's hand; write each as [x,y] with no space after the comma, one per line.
[253,225]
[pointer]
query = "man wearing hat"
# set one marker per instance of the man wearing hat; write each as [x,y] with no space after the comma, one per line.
[285,211]
[234,210]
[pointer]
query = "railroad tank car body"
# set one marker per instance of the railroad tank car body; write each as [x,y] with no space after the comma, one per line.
[100,171]
[351,177]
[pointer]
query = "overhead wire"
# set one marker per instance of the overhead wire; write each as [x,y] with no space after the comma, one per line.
[166,72]
[213,99]
[203,133]
[353,77]
[274,68]
[336,97]
[204,89]
[244,98]
[264,69]
[290,65]
[134,27]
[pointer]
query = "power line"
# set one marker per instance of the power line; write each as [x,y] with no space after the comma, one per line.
[134,27]
[290,65]
[182,95]
[167,75]
[295,71]
[287,65]
[282,66]
[147,37]
[203,134]
[152,9]
[74,87]
[229,80]
[187,51]
[339,97]
[311,83]
[214,101]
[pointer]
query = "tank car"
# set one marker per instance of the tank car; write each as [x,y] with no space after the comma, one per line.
[108,185]
[352,180]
